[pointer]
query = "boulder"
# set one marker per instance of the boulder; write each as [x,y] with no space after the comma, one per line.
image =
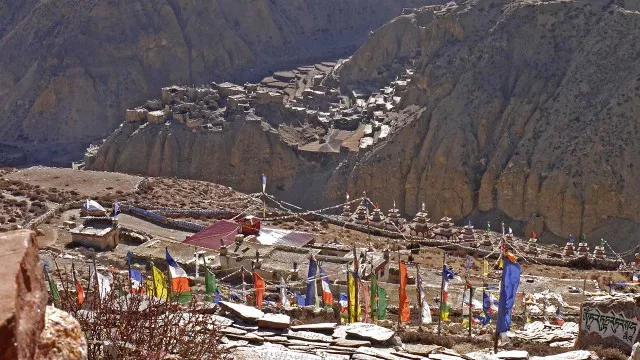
[23,296]
[62,337]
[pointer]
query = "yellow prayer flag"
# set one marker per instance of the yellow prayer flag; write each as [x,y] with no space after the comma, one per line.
[351,290]
[500,264]
[159,283]
[149,287]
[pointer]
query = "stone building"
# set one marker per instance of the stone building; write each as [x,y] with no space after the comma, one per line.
[101,233]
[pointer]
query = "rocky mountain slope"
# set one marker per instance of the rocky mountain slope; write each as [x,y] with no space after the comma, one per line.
[524,111]
[68,69]
[531,109]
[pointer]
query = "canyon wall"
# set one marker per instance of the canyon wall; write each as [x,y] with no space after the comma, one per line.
[69,68]
[530,111]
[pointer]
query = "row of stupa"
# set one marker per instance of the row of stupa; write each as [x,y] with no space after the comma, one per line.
[569,250]
[444,230]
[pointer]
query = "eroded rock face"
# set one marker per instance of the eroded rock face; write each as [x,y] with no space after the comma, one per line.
[529,110]
[69,69]
[23,295]
[62,337]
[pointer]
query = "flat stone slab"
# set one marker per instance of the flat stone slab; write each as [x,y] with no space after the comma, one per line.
[331,356]
[248,337]
[340,332]
[378,353]
[444,357]
[351,343]
[221,320]
[274,321]
[512,354]
[298,342]
[309,336]
[272,353]
[369,332]
[571,355]
[321,327]
[246,313]
[233,331]
[419,349]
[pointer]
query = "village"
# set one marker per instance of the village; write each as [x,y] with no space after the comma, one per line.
[306,106]
[299,267]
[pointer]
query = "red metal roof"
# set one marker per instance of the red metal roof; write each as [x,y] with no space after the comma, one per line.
[210,237]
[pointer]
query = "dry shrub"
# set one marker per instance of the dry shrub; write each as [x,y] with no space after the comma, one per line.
[140,327]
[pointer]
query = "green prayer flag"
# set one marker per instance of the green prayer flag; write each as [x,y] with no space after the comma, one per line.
[374,296]
[382,303]
[54,290]
[120,291]
[184,297]
[211,284]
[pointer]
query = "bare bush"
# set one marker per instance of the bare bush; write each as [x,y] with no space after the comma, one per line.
[136,326]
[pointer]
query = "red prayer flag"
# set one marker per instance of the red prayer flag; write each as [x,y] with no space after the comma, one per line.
[80,292]
[403,308]
[259,285]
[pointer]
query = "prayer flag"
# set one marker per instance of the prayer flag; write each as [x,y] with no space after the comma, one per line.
[149,287]
[300,299]
[425,314]
[53,288]
[312,289]
[467,266]
[351,290]
[104,285]
[374,296]
[635,277]
[447,275]
[210,285]
[179,279]
[485,318]
[382,303]
[344,303]
[78,285]
[510,282]
[283,292]
[264,183]
[160,289]
[364,294]
[327,297]
[116,208]
[403,305]
[136,281]
[259,285]
[534,235]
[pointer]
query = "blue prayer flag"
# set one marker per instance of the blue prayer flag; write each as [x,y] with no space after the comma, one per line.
[311,282]
[300,299]
[510,282]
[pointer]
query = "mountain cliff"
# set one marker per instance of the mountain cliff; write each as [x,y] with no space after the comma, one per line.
[530,111]
[69,68]
[523,111]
